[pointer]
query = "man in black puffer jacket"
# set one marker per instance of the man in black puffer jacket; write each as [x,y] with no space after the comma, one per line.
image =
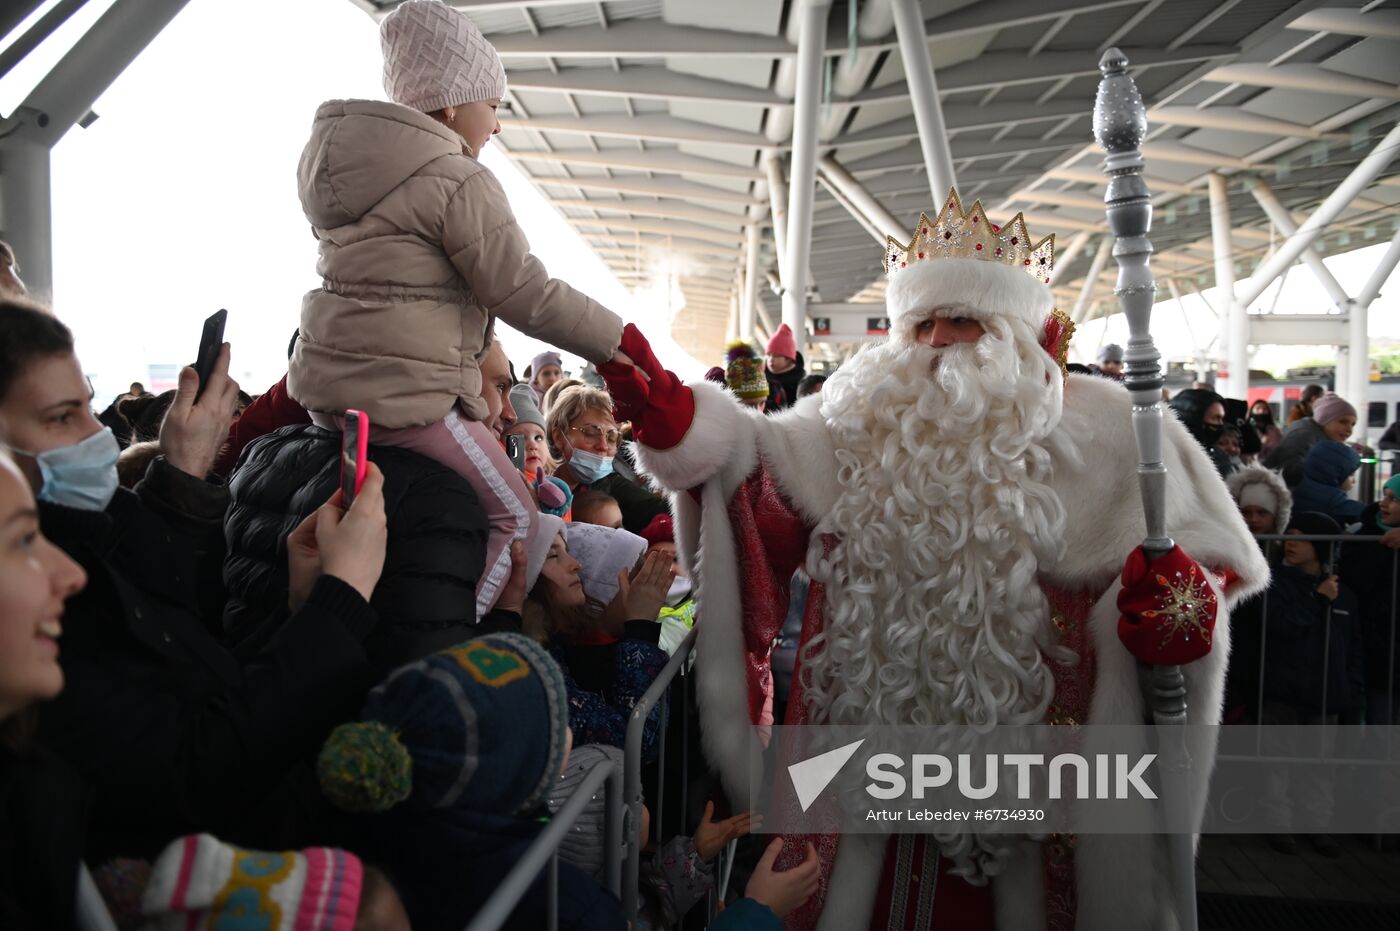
[425,600]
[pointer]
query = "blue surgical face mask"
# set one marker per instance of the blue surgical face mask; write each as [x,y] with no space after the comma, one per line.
[590,467]
[83,475]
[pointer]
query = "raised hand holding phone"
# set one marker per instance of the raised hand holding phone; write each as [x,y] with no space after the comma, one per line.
[196,426]
[211,341]
[335,539]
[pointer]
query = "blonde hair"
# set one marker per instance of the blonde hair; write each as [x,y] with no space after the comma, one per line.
[572,404]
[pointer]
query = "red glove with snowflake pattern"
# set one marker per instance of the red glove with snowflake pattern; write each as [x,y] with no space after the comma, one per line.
[1168,608]
[659,405]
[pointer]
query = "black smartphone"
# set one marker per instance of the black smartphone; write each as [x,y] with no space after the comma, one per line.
[515,449]
[354,454]
[210,341]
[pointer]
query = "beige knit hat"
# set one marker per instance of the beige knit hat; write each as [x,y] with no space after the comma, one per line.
[434,57]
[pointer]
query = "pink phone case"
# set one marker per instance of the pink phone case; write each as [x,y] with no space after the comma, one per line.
[356,422]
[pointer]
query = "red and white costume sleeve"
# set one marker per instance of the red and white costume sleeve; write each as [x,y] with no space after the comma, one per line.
[747,493]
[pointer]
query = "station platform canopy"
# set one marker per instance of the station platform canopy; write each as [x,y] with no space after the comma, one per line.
[647,123]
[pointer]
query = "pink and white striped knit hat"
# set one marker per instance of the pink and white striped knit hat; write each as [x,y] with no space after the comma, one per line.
[435,57]
[199,881]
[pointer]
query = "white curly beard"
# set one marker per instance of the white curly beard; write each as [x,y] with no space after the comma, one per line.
[933,611]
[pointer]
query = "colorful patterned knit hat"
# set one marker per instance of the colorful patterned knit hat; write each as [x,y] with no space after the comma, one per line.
[480,726]
[435,57]
[744,373]
[199,882]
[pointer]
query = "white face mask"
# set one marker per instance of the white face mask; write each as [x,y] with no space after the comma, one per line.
[679,591]
[82,475]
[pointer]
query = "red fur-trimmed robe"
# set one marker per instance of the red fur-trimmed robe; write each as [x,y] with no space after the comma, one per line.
[749,491]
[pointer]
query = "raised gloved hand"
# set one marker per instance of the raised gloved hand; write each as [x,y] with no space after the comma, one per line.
[657,403]
[554,495]
[1168,608]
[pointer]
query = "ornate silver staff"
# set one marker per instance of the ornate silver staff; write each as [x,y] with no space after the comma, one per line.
[1120,123]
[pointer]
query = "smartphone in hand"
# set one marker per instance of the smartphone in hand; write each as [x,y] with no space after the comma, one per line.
[210,342]
[354,454]
[515,450]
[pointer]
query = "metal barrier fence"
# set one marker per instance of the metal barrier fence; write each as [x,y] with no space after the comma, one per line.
[1331,566]
[622,845]
[1374,472]
[544,852]
[632,770]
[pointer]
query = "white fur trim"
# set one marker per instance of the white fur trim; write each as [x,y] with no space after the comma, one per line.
[1124,880]
[1253,480]
[1018,891]
[985,288]
[723,691]
[854,880]
[796,445]
[1096,478]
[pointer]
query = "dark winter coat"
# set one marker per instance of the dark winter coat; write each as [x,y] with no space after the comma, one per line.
[1370,570]
[1326,466]
[1289,454]
[42,808]
[605,682]
[1190,407]
[1296,639]
[1390,439]
[782,389]
[271,411]
[173,733]
[426,597]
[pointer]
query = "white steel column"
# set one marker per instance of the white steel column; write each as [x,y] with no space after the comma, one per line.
[1282,219]
[803,177]
[51,109]
[1356,182]
[778,197]
[746,309]
[861,199]
[1359,354]
[923,93]
[1081,306]
[1236,381]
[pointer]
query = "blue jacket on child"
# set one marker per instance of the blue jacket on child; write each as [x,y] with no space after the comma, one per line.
[1326,467]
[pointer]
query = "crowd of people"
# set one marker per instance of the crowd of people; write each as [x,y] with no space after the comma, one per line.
[357,712]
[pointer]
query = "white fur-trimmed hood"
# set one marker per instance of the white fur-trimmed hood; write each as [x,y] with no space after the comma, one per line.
[984,288]
[1272,482]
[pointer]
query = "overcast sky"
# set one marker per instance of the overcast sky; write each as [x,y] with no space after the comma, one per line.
[181,199]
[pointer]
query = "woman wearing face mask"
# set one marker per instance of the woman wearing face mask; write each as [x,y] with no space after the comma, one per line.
[1202,412]
[41,799]
[585,438]
[174,733]
[1261,418]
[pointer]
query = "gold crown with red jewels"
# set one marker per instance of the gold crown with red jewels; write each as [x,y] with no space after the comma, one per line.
[959,234]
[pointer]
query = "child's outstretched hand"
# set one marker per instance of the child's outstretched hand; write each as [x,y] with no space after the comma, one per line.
[784,892]
[711,836]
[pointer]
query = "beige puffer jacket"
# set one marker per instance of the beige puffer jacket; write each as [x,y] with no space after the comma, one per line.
[420,252]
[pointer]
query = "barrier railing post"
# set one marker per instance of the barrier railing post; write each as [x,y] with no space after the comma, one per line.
[612,833]
[632,772]
[542,854]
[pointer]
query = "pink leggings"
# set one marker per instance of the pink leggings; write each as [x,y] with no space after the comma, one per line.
[470,449]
